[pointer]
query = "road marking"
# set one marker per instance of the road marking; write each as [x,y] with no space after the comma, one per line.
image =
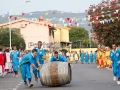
[14,88]
[19,84]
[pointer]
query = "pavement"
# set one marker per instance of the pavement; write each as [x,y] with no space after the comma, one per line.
[85,77]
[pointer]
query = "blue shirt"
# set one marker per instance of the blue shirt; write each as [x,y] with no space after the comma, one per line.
[27,59]
[115,56]
[40,54]
[91,55]
[60,58]
[94,56]
[82,55]
[14,55]
[87,56]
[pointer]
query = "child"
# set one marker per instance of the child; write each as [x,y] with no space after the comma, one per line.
[118,73]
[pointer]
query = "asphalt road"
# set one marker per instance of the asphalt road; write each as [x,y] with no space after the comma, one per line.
[85,77]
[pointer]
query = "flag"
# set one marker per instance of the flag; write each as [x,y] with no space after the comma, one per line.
[23,13]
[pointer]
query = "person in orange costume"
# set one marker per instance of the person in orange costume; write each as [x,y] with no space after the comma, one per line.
[103,64]
[98,58]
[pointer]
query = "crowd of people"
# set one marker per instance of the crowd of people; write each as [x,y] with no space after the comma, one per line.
[6,63]
[12,60]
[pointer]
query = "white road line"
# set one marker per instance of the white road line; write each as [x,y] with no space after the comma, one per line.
[21,82]
[17,86]
[14,88]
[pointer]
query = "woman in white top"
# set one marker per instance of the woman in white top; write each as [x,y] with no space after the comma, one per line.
[76,57]
[8,64]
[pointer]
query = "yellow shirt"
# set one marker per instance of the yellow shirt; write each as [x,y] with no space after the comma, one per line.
[99,54]
[102,55]
[107,53]
[47,55]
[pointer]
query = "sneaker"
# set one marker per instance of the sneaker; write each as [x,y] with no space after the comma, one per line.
[30,85]
[3,76]
[25,83]
[98,66]
[16,76]
[114,78]
[118,82]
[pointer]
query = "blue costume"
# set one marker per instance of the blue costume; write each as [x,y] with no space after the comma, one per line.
[91,57]
[82,57]
[40,54]
[94,57]
[115,57]
[15,61]
[25,63]
[87,58]
[118,70]
[60,58]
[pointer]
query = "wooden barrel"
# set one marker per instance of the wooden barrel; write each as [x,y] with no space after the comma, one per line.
[55,74]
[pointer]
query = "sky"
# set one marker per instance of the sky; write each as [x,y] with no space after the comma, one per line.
[44,5]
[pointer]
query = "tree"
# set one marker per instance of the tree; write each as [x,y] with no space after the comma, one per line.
[79,36]
[16,38]
[104,19]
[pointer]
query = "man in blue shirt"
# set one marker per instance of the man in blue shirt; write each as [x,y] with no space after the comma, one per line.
[39,60]
[82,57]
[25,63]
[91,57]
[58,57]
[15,60]
[115,57]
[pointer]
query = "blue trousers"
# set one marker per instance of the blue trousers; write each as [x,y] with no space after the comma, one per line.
[36,72]
[82,60]
[87,60]
[91,60]
[15,66]
[25,72]
[118,71]
[115,70]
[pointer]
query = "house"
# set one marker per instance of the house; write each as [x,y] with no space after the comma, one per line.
[61,38]
[50,34]
[34,31]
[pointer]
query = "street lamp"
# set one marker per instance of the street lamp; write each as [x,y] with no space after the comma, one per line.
[90,40]
[10,19]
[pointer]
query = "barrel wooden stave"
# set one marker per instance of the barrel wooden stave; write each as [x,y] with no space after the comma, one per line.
[55,74]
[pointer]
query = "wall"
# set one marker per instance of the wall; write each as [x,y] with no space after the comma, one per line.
[57,35]
[34,33]
[64,35]
[84,49]
[57,38]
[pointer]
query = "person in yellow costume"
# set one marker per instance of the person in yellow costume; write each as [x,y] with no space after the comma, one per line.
[102,59]
[71,57]
[108,60]
[60,52]
[98,58]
